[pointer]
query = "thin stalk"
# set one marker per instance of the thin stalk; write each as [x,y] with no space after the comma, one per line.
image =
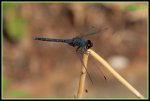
[82,76]
[115,74]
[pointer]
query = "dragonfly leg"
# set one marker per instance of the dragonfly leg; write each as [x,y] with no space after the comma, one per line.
[77,48]
[81,50]
[84,50]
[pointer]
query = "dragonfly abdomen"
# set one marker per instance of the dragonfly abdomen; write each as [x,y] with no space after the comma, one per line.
[50,39]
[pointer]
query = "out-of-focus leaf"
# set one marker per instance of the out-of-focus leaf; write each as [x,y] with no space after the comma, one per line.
[6,83]
[16,28]
[9,6]
[15,24]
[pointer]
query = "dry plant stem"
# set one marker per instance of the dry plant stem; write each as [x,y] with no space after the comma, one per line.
[121,79]
[82,76]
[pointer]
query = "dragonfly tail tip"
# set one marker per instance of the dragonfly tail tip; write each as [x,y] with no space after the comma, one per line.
[34,38]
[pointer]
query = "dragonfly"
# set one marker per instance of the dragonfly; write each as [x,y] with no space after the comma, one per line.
[80,42]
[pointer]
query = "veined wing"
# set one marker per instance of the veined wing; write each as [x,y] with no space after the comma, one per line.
[93,31]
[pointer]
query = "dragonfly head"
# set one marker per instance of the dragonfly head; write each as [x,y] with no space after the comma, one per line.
[89,44]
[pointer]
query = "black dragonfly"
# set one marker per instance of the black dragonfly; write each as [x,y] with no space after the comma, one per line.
[80,42]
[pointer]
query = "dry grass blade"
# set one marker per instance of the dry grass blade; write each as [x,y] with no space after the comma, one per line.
[115,74]
[82,76]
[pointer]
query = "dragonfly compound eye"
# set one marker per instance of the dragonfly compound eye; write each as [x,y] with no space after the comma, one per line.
[89,44]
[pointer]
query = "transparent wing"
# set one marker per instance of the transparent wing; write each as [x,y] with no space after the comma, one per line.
[93,31]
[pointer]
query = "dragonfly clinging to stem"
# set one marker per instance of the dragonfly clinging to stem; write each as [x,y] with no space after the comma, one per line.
[80,42]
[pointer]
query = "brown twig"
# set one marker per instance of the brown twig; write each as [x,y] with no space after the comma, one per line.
[82,76]
[116,75]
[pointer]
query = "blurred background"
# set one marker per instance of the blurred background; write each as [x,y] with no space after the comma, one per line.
[34,69]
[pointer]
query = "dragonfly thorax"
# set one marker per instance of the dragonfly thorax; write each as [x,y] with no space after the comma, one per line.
[81,42]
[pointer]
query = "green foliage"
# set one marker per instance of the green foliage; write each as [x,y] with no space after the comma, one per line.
[5,84]
[14,23]
[9,6]
[16,28]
